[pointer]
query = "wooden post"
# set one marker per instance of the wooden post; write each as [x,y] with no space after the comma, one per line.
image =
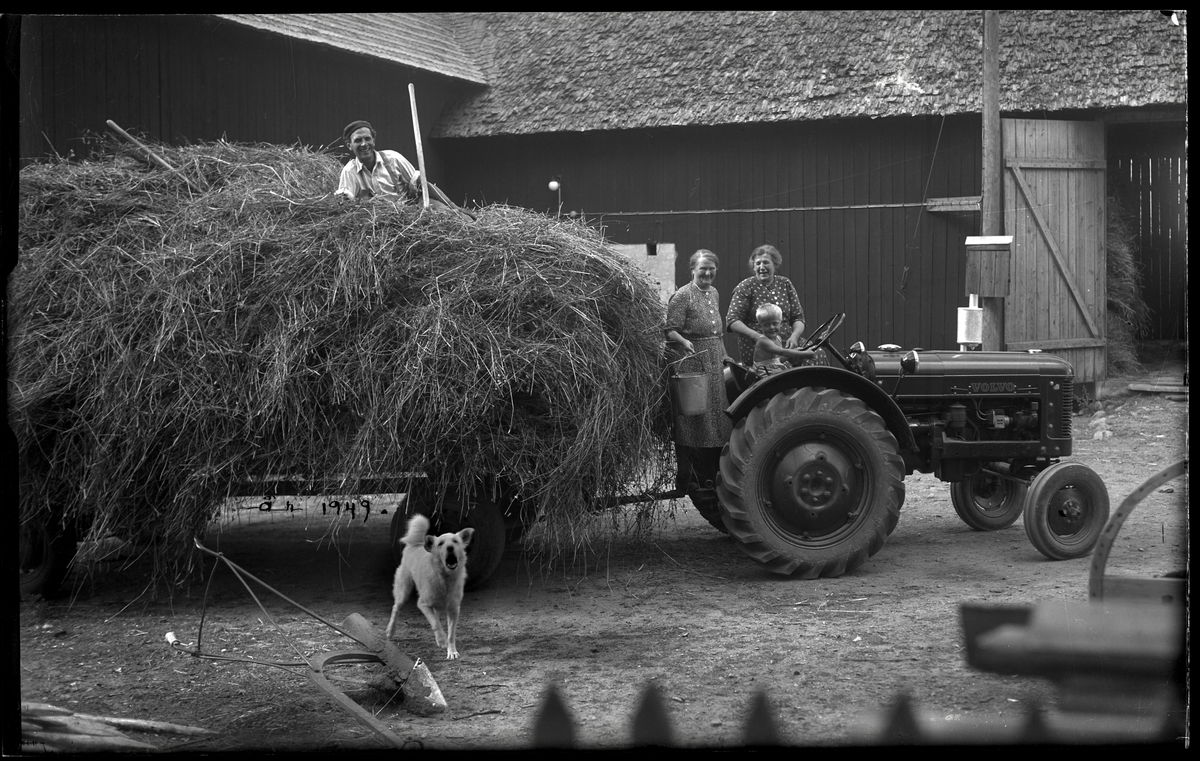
[991,205]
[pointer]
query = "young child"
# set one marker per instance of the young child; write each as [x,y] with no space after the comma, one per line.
[768,353]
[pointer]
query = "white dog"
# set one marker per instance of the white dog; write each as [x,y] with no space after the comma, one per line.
[437,568]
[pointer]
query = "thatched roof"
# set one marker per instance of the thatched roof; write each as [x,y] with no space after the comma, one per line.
[554,72]
[423,41]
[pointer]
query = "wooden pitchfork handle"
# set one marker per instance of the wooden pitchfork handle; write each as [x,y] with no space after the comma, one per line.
[428,187]
[412,99]
[154,156]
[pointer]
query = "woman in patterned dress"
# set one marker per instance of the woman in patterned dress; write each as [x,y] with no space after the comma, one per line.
[694,345]
[764,287]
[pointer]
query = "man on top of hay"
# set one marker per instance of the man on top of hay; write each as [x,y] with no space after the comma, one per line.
[375,173]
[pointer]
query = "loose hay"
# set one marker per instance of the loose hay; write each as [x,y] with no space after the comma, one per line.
[167,346]
[1128,316]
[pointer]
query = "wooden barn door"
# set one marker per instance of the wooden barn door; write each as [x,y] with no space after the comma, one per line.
[1054,207]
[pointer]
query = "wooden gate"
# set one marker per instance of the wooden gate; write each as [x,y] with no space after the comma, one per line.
[1054,207]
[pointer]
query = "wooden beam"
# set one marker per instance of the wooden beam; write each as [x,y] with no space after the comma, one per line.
[1057,163]
[1144,115]
[992,202]
[1059,343]
[958,203]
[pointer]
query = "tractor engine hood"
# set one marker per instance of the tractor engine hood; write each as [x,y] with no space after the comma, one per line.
[975,363]
[971,372]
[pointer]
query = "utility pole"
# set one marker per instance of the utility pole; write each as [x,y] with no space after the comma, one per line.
[991,209]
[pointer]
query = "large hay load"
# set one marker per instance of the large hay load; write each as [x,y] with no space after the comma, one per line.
[169,345]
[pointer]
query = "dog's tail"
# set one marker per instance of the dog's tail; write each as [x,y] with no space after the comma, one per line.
[418,527]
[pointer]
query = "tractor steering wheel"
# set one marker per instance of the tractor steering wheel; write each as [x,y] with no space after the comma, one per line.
[821,335]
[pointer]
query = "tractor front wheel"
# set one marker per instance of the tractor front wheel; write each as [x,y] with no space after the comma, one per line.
[987,501]
[1066,510]
[811,483]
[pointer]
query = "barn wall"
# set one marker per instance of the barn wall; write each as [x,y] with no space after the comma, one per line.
[198,78]
[896,269]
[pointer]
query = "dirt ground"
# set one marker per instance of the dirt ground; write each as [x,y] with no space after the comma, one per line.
[683,609]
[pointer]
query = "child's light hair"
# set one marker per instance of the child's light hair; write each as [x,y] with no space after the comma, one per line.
[768,311]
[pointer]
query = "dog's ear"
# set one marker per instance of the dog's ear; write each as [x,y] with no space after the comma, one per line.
[429,540]
[466,535]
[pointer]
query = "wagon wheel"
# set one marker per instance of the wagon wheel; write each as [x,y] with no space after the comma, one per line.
[811,483]
[452,515]
[46,552]
[1065,511]
[517,517]
[1096,585]
[706,503]
[697,476]
[987,501]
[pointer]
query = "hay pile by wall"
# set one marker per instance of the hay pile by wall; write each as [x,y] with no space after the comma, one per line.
[1128,314]
[167,344]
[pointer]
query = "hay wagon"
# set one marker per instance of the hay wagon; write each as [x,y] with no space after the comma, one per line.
[170,346]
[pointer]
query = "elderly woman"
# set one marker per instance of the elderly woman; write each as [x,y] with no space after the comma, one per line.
[763,287]
[693,332]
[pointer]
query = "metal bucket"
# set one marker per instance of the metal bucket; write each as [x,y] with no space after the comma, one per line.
[691,393]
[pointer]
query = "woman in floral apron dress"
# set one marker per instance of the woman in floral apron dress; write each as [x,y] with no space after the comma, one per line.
[766,287]
[694,332]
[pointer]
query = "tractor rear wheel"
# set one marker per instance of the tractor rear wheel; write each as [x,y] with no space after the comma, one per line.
[453,515]
[811,483]
[988,502]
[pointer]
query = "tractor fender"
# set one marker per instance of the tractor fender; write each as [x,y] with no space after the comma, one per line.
[827,377]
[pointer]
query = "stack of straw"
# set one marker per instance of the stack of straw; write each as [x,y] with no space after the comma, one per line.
[168,346]
[1128,316]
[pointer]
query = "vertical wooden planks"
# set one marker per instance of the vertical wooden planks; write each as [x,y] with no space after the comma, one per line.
[771,168]
[933,247]
[32,84]
[810,197]
[93,91]
[1018,309]
[1097,221]
[796,252]
[877,274]
[855,287]
[897,229]
[915,172]
[824,245]
[176,108]
[1056,212]
[1049,142]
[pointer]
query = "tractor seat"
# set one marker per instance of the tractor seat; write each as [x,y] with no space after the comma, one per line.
[738,377]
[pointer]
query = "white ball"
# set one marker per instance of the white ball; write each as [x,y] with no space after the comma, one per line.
[554,185]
